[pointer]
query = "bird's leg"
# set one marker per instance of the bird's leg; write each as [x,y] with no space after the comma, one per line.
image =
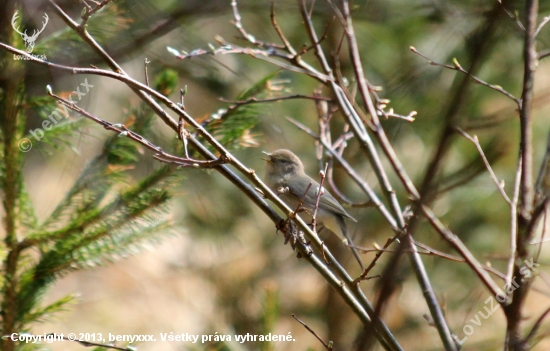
[293,234]
[289,230]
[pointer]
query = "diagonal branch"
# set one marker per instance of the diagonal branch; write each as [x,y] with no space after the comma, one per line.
[499,184]
[536,327]
[123,131]
[459,246]
[457,67]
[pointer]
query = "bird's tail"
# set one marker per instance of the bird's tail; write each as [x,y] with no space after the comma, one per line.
[355,253]
[337,225]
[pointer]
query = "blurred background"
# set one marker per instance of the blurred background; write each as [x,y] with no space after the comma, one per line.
[223,268]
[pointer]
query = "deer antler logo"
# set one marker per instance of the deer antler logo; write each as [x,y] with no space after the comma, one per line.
[29,40]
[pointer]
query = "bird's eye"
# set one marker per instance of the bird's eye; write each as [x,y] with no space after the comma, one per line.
[283,161]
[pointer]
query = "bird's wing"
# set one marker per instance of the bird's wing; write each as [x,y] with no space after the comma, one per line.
[326,202]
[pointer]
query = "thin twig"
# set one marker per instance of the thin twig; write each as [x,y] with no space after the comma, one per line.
[183,92]
[543,234]
[541,241]
[542,24]
[513,226]
[327,346]
[542,187]
[146,63]
[254,100]
[267,55]
[183,135]
[429,252]
[113,65]
[285,41]
[363,275]
[463,250]
[381,103]
[536,326]
[538,212]
[252,39]
[512,16]
[123,131]
[457,67]
[499,185]
[90,11]
[320,193]
[324,36]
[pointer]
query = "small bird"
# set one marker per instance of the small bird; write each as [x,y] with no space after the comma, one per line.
[286,177]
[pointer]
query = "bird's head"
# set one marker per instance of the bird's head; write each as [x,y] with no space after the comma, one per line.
[282,164]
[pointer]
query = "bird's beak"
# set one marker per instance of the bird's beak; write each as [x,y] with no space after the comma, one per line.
[268,155]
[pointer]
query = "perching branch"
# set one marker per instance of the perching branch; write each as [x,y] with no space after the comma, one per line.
[123,131]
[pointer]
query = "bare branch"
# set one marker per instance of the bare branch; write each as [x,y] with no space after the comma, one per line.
[320,192]
[526,141]
[285,41]
[457,67]
[254,100]
[183,134]
[536,327]
[542,187]
[512,16]
[545,227]
[252,39]
[146,63]
[428,251]
[544,21]
[125,132]
[327,346]
[514,225]
[499,184]
[90,11]
[365,273]
[464,252]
